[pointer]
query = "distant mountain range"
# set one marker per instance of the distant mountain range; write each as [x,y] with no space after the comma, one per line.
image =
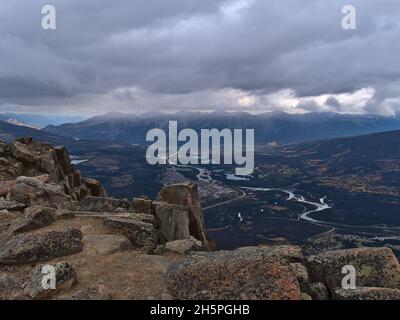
[9,132]
[360,154]
[277,127]
[36,121]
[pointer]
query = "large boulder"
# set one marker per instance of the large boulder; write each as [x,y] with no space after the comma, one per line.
[65,277]
[33,191]
[32,247]
[141,234]
[375,267]
[34,217]
[258,273]
[186,194]
[22,152]
[173,220]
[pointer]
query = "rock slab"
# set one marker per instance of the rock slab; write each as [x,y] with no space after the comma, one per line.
[32,247]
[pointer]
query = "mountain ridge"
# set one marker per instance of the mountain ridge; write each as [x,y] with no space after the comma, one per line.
[280,127]
[10,132]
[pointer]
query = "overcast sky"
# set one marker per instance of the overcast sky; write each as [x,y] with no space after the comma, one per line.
[250,55]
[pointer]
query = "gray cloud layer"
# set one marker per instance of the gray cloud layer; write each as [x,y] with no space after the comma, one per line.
[197,54]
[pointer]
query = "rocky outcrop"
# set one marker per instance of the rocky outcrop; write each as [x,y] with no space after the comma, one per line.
[65,277]
[141,234]
[186,194]
[42,246]
[25,157]
[31,191]
[246,273]
[173,220]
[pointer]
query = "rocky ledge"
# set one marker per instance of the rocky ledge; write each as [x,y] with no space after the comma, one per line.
[106,248]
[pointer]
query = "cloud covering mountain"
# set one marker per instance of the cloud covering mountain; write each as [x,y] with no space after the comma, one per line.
[253,55]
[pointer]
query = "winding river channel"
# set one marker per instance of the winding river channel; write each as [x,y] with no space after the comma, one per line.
[319,206]
[377,232]
[206,176]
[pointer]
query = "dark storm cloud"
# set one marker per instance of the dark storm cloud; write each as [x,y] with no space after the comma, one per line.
[187,46]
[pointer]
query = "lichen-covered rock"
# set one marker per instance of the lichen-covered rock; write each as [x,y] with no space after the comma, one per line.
[107,244]
[141,234]
[186,194]
[65,277]
[140,205]
[375,267]
[32,247]
[173,221]
[246,273]
[364,293]
[33,217]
